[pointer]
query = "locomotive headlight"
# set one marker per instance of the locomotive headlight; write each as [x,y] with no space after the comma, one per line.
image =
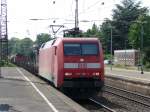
[68,74]
[96,73]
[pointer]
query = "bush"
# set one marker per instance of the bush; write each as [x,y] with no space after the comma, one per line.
[107,56]
[147,65]
[4,63]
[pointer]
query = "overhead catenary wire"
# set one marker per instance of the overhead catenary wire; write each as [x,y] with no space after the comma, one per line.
[91,6]
[84,11]
[72,13]
[70,21]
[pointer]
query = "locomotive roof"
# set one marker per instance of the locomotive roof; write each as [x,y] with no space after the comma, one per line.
[77,39]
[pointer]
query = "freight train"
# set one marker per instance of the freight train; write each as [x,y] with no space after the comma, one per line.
[73,65]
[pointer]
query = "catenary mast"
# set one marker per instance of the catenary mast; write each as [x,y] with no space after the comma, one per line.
[75,32]
[3,31]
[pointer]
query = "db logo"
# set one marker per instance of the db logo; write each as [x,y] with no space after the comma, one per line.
[82,65]
[81,60]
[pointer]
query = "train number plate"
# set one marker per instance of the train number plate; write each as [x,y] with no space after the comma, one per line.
[82,65]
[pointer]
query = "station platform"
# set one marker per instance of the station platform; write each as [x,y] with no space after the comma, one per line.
[20,91]
[130,75]
[131,80]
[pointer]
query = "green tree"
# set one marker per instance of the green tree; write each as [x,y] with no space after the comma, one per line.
[94,32]
[42,38]
[26,45]
[17,46]
[13,46]
[135,36]
[106,35]
[123,16]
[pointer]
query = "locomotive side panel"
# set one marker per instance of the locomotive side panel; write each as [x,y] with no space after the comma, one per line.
[46,63]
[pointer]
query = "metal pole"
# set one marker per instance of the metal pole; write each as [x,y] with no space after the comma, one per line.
[0,48]
[141,51]
[0,53]
[111,48]
[0,44]
[76,15]
[125,55]
[6,37]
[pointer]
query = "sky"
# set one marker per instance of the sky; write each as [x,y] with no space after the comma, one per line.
[55,12]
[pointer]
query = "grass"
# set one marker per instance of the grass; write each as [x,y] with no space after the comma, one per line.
[128,67]
[4,63]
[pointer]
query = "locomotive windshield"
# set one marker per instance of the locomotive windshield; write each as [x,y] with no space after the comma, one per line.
[80,49]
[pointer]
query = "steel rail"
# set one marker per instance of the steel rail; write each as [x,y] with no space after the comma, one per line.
[145,104]
[138,94]
[107,108]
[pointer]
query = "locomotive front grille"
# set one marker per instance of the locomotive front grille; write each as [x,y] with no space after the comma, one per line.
[83,83]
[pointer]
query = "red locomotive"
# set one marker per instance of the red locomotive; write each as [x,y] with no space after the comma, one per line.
[74,65]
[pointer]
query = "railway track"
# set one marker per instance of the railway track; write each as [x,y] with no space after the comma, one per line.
[102,105]
[97,104]
[132,96]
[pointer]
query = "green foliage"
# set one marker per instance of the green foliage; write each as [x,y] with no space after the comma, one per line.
[135,36]
[123,16]
[125,66]
[13,45]
[42,38]
[94,32]
[4,63]
[23,46]
[147,66]
[26,45]
[106,34]
[107,56]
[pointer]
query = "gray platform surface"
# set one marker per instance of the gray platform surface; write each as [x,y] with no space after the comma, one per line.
[20,91]
[133,75]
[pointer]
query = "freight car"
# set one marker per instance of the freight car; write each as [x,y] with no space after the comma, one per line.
[74,65]
[19,59]
[25,62]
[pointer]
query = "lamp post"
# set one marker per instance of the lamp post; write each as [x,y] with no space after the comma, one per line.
[141,50]
[0,54]
[141,44]
[125,54]
[111,47]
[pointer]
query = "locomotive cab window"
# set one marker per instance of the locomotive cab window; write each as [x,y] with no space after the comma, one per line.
[80,49]
[89,49]
[72,49]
